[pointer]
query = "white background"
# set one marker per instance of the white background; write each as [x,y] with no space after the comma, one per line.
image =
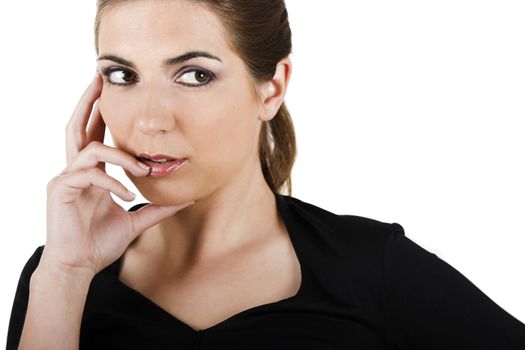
[405,111]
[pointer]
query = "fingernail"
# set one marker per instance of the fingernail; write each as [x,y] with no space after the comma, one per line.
[143,166]
[132,194]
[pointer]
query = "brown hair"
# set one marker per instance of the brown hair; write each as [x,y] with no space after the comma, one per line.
[259,33]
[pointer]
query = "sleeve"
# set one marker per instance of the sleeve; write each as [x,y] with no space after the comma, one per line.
[430,305]
[18,312]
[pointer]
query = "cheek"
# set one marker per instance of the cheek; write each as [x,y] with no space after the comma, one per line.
[105,105]
[113,117]
[227,134]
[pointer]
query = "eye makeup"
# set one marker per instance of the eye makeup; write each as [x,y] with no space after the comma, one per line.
[197,72]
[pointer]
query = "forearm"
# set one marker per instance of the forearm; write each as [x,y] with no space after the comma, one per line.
[55,306]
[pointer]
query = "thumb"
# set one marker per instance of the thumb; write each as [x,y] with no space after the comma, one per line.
[152,214]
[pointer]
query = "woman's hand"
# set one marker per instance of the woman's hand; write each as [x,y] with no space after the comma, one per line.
[86,229]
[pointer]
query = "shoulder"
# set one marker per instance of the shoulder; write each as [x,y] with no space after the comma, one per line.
[355,228]
[344,251]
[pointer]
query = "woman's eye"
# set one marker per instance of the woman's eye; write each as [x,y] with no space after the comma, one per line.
[117,76]
[201,77]
[191,78]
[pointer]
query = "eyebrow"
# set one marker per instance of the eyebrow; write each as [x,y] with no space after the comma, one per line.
[167,62]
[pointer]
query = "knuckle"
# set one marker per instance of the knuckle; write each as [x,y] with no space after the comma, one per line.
[93,171]
[94,144]
[92,149]
[99,174]
[103,177]
[64,171]
[53,183]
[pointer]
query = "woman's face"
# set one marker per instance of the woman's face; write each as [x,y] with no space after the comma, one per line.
[170,109]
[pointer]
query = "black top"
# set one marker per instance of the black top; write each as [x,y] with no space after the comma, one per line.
[364,285]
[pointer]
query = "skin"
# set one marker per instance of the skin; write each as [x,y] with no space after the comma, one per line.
[215,126]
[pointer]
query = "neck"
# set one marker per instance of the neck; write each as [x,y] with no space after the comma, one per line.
[234,216]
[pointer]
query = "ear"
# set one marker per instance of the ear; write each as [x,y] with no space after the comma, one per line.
[273,91]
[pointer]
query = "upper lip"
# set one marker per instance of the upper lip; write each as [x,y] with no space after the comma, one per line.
[157,156]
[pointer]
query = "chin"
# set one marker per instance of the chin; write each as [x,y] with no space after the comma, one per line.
[161,196]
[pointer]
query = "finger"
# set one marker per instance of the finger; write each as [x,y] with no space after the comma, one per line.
[76,137]
[97,126]
[71,185]
[97,152]
[151,214]
[97,130]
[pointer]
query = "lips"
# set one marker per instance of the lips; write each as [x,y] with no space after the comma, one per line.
[159,158]
[163,166]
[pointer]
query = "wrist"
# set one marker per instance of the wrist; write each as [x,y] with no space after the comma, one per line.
[48,271]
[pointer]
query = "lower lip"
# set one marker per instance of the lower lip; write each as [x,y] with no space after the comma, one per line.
[163,169]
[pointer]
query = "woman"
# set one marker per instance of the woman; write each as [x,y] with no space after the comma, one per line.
[219,258]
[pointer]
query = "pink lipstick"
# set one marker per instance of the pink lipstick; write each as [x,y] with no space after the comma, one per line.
[161,164]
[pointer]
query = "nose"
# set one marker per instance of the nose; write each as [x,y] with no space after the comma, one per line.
[156,123]
[156,116]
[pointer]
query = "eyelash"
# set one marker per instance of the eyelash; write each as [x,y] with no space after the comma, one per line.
[106,72]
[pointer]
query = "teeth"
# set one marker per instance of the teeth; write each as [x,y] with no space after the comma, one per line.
[159,160]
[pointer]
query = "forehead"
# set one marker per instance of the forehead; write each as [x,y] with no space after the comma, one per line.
[160,26]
